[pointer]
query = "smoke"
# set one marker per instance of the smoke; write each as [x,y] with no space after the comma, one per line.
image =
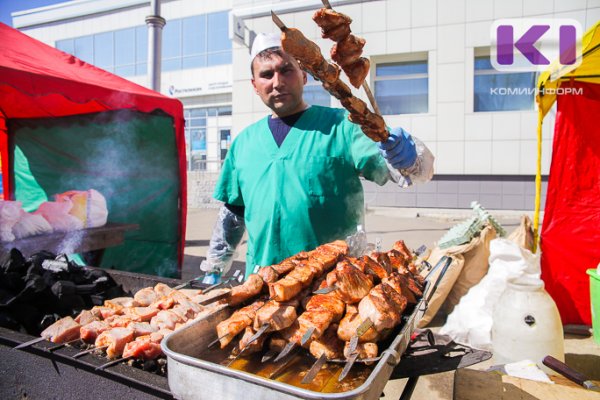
[71,243]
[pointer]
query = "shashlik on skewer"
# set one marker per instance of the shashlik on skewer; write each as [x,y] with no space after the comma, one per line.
[119,321]
[348,48]
[309,56]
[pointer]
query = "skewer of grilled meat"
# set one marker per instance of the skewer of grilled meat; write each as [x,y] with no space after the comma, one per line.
[348,48]
[311,60]
[239,320]
[318,262]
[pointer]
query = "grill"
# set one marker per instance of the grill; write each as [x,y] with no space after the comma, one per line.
[39,373]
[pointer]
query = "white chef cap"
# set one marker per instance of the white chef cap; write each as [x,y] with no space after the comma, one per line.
[264,41]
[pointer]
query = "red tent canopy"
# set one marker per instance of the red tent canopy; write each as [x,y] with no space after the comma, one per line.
[39,81]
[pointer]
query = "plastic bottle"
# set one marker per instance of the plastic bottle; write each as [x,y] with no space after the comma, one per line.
[526,324]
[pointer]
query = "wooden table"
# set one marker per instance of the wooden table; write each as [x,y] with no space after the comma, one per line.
[90,240]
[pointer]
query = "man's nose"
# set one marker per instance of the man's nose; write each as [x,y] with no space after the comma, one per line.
[277,80]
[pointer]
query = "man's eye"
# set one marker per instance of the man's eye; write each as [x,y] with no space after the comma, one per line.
[267,75]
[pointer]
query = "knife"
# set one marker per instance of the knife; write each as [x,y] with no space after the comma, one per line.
[570,373]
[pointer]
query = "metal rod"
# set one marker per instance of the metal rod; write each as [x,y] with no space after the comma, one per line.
[211,344]
[60,346]
[364,327]
[258,334]
[371,98]
[326,290]
[111,363]
[314,370]
[286,350]
[353,344]
[283,367]
[268,355]
[306,337]
[88,351]
[278,21]
[348,366]
[155,25]
[29,343]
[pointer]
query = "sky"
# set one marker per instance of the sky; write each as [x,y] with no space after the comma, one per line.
[9,6]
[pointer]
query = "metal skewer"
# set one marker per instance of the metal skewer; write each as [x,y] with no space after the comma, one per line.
[111,363]
[217,340]
[326,290]
[365,85]
[184,284]
[278,21]
[314,370]
[283,367]
[348,366]
[353,344]
[60,346]
[305,338]
[30,343]
[286,350]
[268,355]
[88,351]
[258,333]
[364,327]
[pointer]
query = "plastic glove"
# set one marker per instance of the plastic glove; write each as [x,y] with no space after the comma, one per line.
[399,150]
[212,278]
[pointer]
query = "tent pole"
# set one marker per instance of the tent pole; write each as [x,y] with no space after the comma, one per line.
[538,181]
[155,24]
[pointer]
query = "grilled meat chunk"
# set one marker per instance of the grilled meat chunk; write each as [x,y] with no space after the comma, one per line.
[350,323]
[400,283]
[249,289]
[334,25]
[328,344]
[63,330]
[383,306]
[115,339]
[239,320]
[279,315]
[89,332]
[352,284]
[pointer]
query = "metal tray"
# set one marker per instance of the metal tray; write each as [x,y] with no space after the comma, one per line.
[194,378]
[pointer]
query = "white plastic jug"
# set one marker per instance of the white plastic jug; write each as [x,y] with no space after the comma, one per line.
[526,324]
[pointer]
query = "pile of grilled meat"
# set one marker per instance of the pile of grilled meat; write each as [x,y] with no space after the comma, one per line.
[335,306]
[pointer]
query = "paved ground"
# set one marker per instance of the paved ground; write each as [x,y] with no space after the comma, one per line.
[416,227]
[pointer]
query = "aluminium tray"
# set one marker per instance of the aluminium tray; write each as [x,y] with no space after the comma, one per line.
[191,377]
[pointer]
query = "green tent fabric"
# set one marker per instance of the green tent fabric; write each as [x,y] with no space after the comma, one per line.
[129,157]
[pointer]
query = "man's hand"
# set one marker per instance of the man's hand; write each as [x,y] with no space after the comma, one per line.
[399,150]
[211,279]
[212,272]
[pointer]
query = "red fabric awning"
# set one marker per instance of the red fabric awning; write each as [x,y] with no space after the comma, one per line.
[39,81]
[571,230]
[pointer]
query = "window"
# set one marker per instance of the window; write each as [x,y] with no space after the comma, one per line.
[200,124]
[315,94]
[501,91]
[123,52]
[402,87]
[225,142]
[192,42]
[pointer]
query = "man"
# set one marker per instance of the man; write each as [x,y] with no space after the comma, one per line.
[292,178]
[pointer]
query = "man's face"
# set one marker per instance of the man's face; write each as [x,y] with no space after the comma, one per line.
[279,82]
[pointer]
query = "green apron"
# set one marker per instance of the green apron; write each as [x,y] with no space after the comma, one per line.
[306,192]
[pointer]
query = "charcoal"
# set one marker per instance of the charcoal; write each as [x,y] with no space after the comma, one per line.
[36,292]
[12,262]
[8,321]
[28,316]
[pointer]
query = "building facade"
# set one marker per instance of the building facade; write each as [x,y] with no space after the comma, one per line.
[430,73]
